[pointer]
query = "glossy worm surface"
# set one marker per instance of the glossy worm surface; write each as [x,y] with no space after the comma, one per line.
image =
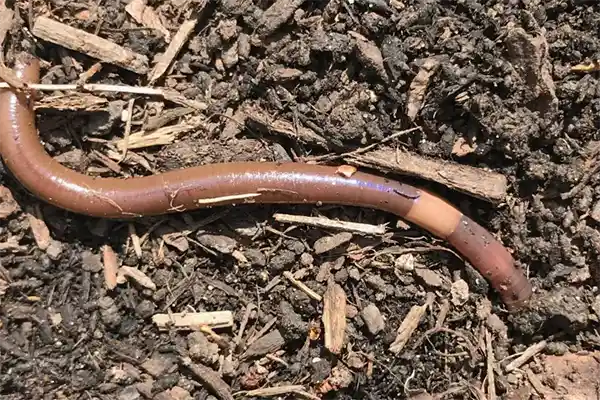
[237,183]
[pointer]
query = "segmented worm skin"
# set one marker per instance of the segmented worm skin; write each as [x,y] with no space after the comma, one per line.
[240,183]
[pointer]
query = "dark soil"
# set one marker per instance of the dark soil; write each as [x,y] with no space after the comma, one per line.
[341,70]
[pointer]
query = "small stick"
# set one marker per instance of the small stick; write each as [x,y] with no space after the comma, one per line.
[490,366]
[323,222]
[311,293]
[526,356]
[165,93]
[215,319]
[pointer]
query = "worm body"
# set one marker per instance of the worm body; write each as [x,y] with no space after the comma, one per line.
[238,183]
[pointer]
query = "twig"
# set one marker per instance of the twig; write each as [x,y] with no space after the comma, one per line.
[311,293]
[127,130]
[215,319]
[323,222]
[490,367]
[165,93]
[530,352]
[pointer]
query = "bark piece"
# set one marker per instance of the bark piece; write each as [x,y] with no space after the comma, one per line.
[476,182]
[89,44]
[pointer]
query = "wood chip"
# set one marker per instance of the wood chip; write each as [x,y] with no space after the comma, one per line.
[110,267]
[208,378]
[334,317]
[40,230]
[476,182]
[179,40]
[146,16]
[410,324]
[191,320]
[138,276]
[8,204]
[89,44]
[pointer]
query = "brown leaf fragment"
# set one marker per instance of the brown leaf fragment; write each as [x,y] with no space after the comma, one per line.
[146,16]
[110,266]
[334,317]
[419,85]
[8,204]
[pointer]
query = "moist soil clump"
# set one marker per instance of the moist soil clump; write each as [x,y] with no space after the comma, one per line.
[247,301]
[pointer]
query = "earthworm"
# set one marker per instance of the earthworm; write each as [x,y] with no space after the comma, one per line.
[240,183]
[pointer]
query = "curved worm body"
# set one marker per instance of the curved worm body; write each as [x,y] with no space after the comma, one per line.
[236,183]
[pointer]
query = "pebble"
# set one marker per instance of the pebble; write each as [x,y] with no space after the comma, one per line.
[158,365]
[373,319]
[429,277]
[291,325]
[328,243]
[202,349]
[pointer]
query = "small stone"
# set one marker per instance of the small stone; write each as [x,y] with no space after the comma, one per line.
[429,277]
[321,368]
[329,243]
[109,312]
[129,393]
[376,282]
[158,365]
[271,342]
[405,262]
[222,244]
[497,326]
[373,319]
[255,257]
[178,393]
[557,348]
[201,349]
[354,274]
[596,305]
[306,259]
[355,361]
[91,262]
[291,325]
[459,292]
[54,249]
[595,214]
[351,311]
[281,260]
